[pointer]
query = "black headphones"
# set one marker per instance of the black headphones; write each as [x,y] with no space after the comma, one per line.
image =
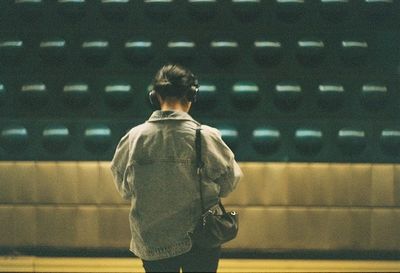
[191,95]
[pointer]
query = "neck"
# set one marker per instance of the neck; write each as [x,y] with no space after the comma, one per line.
[174,106]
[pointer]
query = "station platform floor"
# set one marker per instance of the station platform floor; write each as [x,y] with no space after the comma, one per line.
[61,264]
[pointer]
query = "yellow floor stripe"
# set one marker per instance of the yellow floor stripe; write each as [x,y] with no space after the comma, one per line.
[39,264]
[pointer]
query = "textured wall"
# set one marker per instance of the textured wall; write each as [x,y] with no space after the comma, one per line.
[284,207]
[284,80]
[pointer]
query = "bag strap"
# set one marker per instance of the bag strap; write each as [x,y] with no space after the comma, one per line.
[200,165]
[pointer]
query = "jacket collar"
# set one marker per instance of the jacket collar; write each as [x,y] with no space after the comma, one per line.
[160,115]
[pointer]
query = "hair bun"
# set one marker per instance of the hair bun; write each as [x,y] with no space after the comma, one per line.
[174,81]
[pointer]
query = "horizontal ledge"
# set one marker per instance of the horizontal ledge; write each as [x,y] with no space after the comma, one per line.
[226,204]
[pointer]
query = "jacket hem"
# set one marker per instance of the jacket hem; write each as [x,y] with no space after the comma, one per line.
[152,254]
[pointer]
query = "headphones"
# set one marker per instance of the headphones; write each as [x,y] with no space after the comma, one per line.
[191,95]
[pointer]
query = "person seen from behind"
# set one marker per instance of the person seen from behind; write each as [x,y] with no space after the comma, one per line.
[154,166]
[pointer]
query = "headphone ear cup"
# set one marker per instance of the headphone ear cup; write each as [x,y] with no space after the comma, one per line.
[154,100]
[192,96]
[195,96]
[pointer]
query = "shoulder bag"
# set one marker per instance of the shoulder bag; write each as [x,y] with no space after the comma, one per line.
[214,228]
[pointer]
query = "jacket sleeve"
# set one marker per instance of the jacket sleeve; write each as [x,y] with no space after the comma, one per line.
[120,168]
[220,164]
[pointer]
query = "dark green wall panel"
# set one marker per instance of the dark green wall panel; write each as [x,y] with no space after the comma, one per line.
[320,76]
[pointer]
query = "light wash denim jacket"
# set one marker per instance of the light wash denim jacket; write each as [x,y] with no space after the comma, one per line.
[154,167]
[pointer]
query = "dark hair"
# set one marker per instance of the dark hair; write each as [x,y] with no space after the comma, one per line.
[174,80]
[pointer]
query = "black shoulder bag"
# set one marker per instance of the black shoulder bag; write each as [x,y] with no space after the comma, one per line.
[214,228]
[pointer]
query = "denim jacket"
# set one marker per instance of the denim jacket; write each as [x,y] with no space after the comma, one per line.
[154,167]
